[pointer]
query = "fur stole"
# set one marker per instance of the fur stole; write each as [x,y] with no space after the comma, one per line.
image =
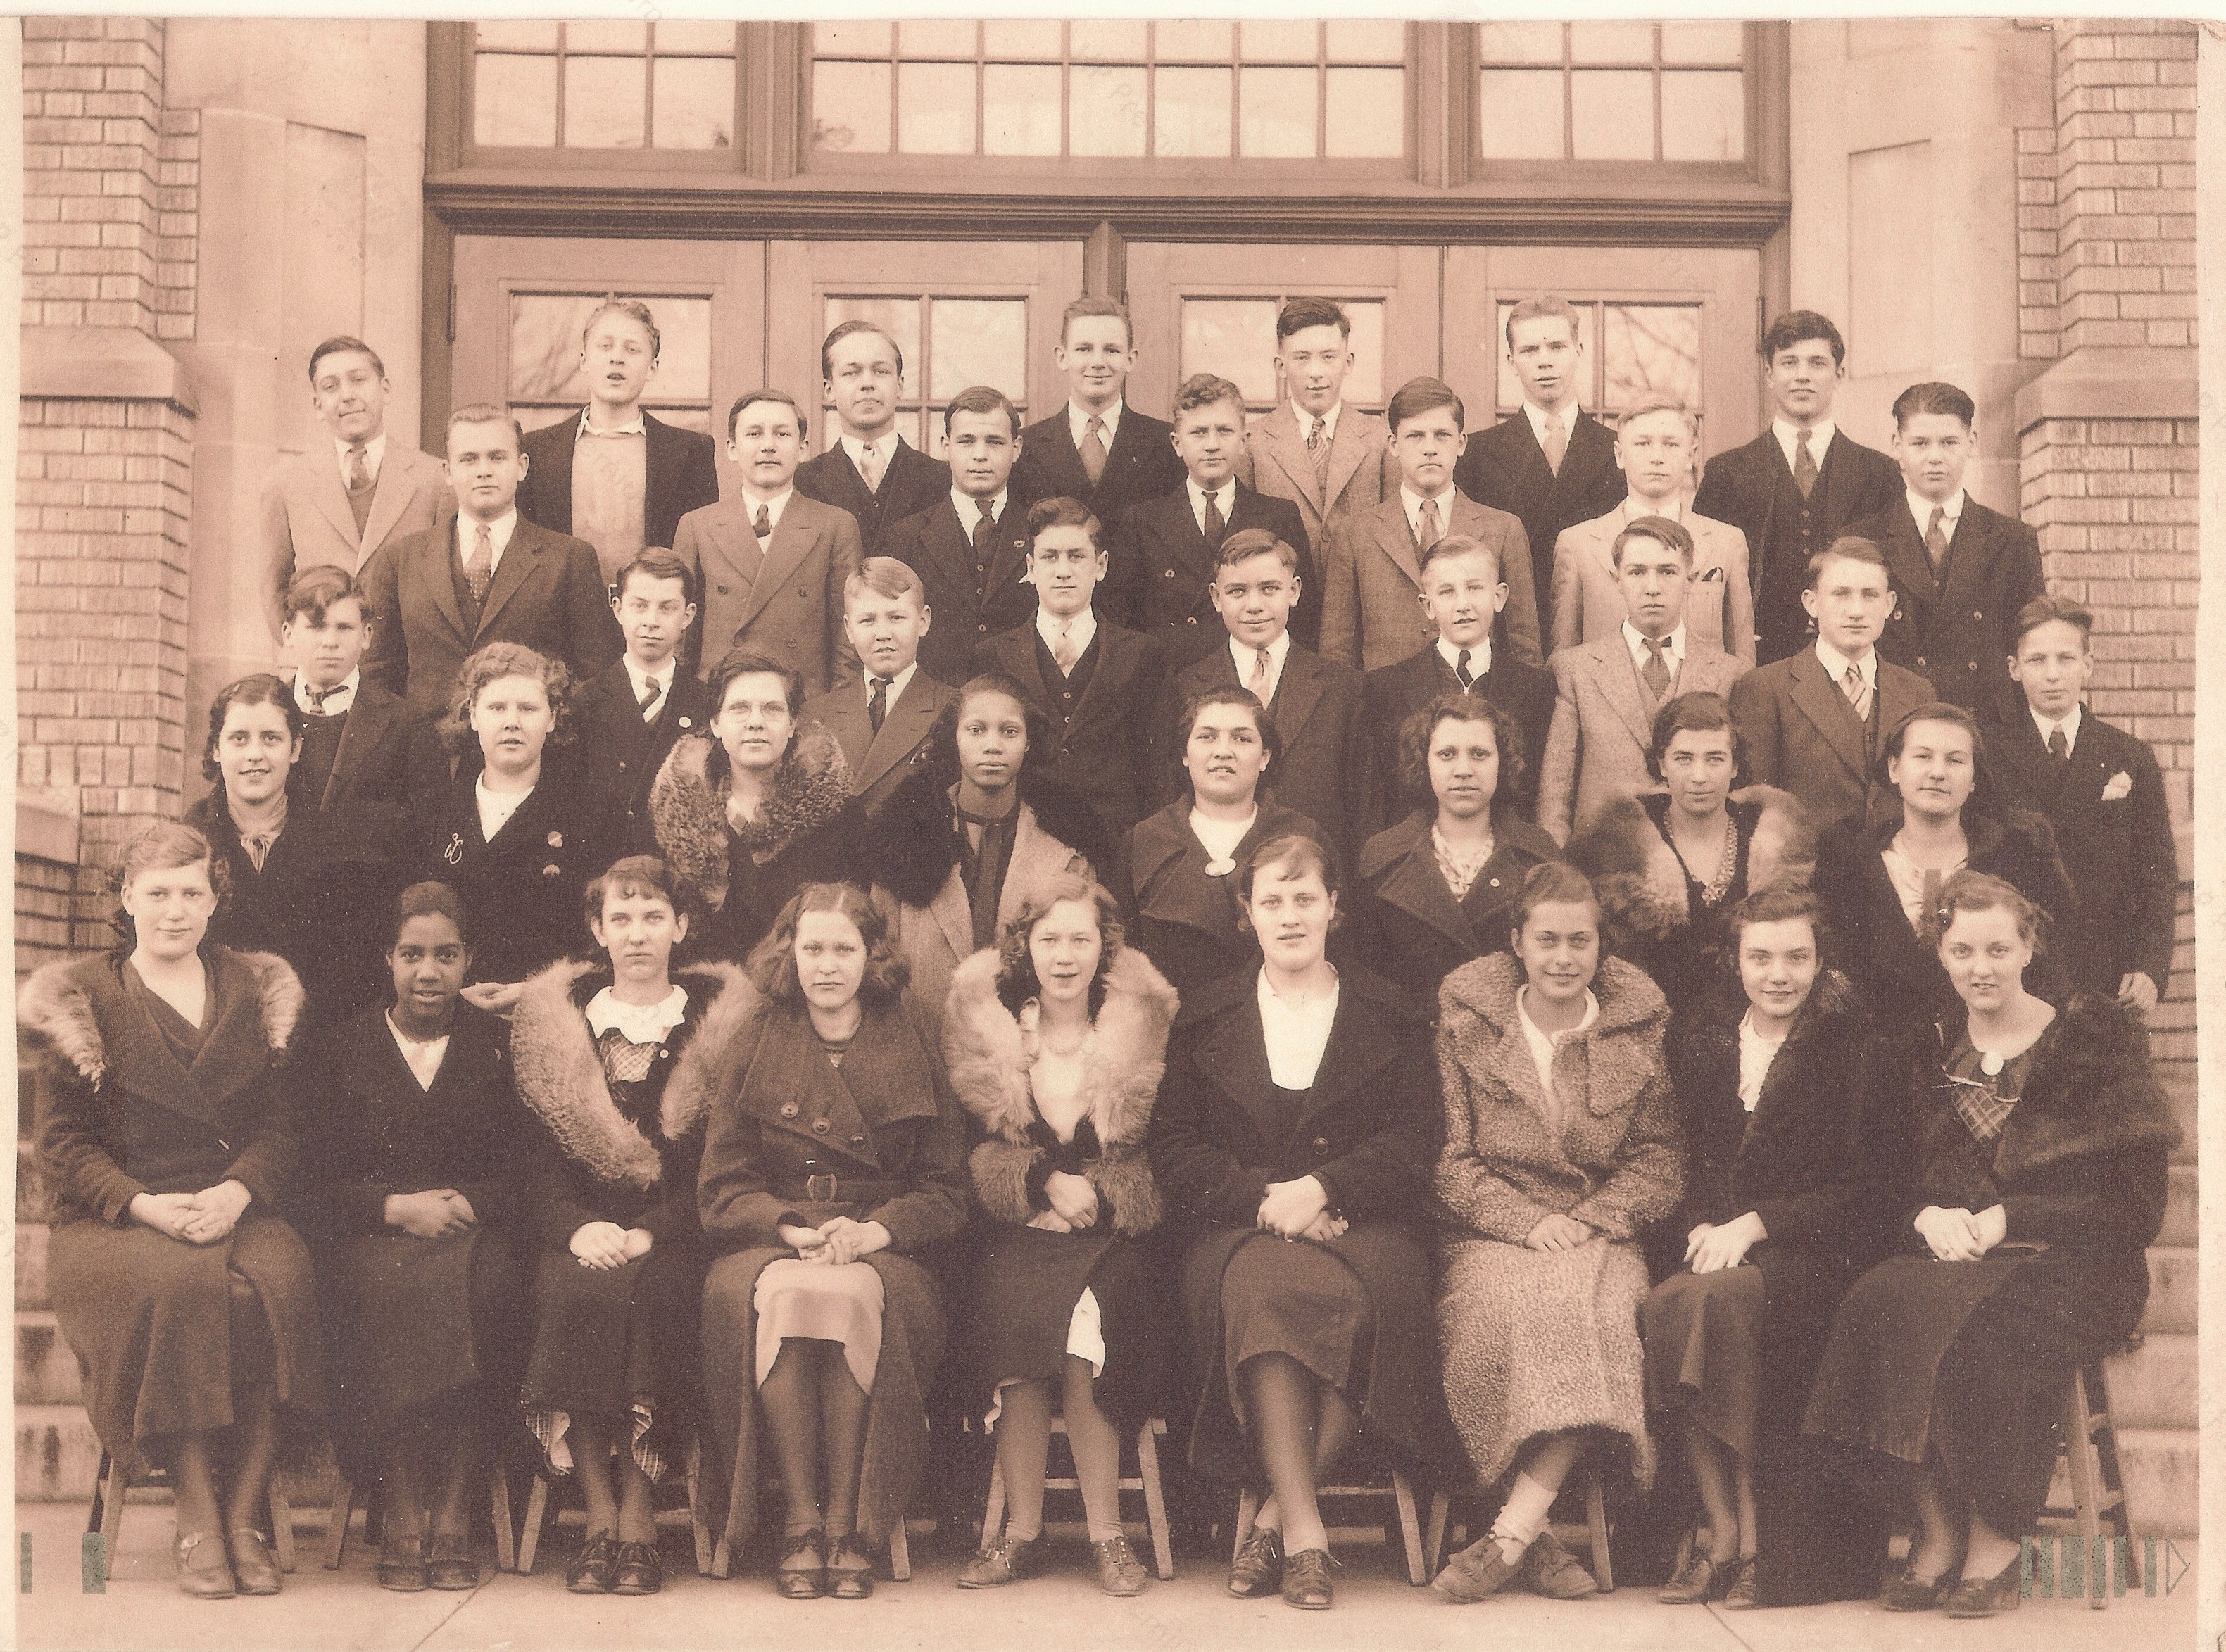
[560,1075]
[1477,1019]
[989,1051]
[54,1006]
[2092,1092]
[1641,881]
[914,850]
[1823,1066]
[810,789]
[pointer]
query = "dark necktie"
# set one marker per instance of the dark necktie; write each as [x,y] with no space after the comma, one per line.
[985,535]
[2058,747]
[877,709]
[763,525]
[1217,526]
[1656,671]
[1093,448]
[1805,464]
[1462,675]
[316,698]
[1936,536]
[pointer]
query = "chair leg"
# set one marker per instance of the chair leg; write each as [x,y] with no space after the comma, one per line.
[1248,1509]
[697,1526]
[899,1553]
[2078,1442]
[722,1557]
[1596,1514]
[1411,1529]
[1433,1535]
[336,1520]
[505,1527]
[281,1526]
[97,1517]
[1156,1502]
[537,1510]
[115,1483]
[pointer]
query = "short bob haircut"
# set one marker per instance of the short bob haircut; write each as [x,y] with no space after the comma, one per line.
[1932,711]
[1016,968]
[259,689]
[1699,713]
[772,961]
[1462,705]
[316,590]
[1063,513]
[498,660]
[1661,530]
[940,750]
[638,877]
[430,899]
[1222,694]
[1553,883]
[1798,326]
[1776,902]
[767,393]
[1300,854]
[1981,892]
[749,661]
[166,846]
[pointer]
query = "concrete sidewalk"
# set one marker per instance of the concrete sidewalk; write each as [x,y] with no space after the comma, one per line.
[1376,1611]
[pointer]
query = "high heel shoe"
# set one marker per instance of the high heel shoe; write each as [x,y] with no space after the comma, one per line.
[1984,1597]
[252,1565]
[209,1578]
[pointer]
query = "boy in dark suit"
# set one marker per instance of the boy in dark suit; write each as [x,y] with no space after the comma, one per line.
[1798,486]
[1551,464]
[2103,792]
[1962,573]
[1096,682]
[627,719]
[487,575]
[883,723]
[1317,705]
[1462,593]
[1175,541]
[869,469]
[970,548]
[614,475]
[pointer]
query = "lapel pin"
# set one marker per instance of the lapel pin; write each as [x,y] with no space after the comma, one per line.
[454,853]
[687,723]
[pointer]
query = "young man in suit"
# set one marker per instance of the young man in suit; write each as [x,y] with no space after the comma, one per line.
[616,475]
[1551,464]
[335,507]
[1808,728]
[771,563]
[1654,446]
[883,723]
[1327,459]
[2103,793]
[485,575]
[1462,593]
[970,548]
[1606,693]
[1094,681]
[628,718]
[1962,573]
[1317,705]
[1175,540]
[869,469]
[1372,564]
[1798,486]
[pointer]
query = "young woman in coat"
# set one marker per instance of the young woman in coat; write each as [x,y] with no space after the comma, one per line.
[1292,1141]
[1562,1143]
[976,827]
[1057,1039]
[1793,1111]
[614,1059]
[166,1149]
[755,807]
[511,836]
[1436,890]
[1670,866]
[2043,1145]
[1176,871]
[413,1128]
[835,1167]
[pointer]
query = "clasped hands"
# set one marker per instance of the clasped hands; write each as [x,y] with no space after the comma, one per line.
[200,1218]
[839,1239]
[1712,1247]
[1300,1210]
[1960,1236]
[1558,1232]
[605,1245]
[1073,1203]
[433,1214]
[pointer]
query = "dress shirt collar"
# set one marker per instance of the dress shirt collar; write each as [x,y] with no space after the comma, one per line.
[638,1023]
[1538,416]
[1225,496]
[1479,657]
[1084,633]
[1329,420]
[2069,725]
[1413,502]
[971,510]
[338,698]
[1922,509]
[1278,653]
[499,532]
[1672,508]
[897,686]
[374,455]
[776,504]
[636,426]
[1078,422]
[1836,664]
[1787,433]
[1672,646]
[641,677]
[883,447]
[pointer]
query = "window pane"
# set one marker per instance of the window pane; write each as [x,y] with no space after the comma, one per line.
[977,341]
[1278,111]
[1019,110]
[516,37]
[1190,111]
[1519,112]
[1617,43]
[1107,40]
[936,37]
[540,418]
[604,34]
[695,103]
[1361,41]
[851,40]
[1509,391]
[1703,115]
[935,108]
[1612,114]
[1193,42]
[1107,116]
[545,346]
[1279,40]
[603,102]
[1021,37]
[514,101]
[697,419]
[1520,43]
[1652,348]
[1703,42]
[695,36]
[851,107]
[1367,114]
[1235,337]
[898,317]
[1364,384]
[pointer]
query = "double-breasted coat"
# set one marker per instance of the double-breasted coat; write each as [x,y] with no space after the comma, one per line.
[973,592]
[1176,566]
[910,483]
[781,597]
[1604,722]
[1956,624]
[881,760]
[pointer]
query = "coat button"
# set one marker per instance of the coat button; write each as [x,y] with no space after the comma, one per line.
[1321,1147]
[857,1141]
[984,627]
[1897,613]
[788,1109]
[622,767]
[820,1127]
[1166,573]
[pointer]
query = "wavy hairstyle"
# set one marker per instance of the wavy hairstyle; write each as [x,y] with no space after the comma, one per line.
[1016,968]
[1699,713]
[165,846]
[772,961]
[260,688]
[939,752]
[1223,693]
[1462,705]
[496,661]
[1981,892]
[1777,903]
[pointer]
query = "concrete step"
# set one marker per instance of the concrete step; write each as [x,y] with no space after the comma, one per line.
[2179,1088]
[31,1264]
[57,1454]
[2156,1386]
[2160,1466]
[2173,1288]
[2182,1212]
[46,1369]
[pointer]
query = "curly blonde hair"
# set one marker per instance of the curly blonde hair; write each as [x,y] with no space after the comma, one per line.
[498,660]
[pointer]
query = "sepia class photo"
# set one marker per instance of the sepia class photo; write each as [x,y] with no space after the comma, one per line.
[941,830]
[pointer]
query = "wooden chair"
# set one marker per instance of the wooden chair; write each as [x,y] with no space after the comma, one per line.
[2088,1435]
[1401,1494]
[1146,1480]
[343,1508]
[1591,1536]
[110,1482]
[536,1515]
[722,1559]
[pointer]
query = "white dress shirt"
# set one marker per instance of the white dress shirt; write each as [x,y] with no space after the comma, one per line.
[1241,655]
[1221,838]
[341,694]
[1836,665]
[1756,1053]
[883,449]
[1329,421]
[1297,1034]
[971,511]
[423,1058]
[499,533]
[1673,648]
[1082,629]
[776,504]
[1413,502]
[1542,1044]
[1820,438]
[897,685]
[1922,509]
[638,1023]
[1538,416]
[1672,509]
[374,454]
[496,807]
[1224,496]
[642,678]
[2069,725]
[1479,657]
[1077,423]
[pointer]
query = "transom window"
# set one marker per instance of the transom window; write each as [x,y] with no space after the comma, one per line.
[1235,337]
[1630,349]
[1111,88]
[604,84]
[1613,90]
[545,379]
[948,344]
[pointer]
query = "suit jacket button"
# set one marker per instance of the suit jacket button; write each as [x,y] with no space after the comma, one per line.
[857,1141]
[1321,1147]
[1166,573]
[723,590]
[1976,614]
[622,767]
[1974,665]
[983,626]
[820,1127]
[1191,620]
[1920,659]
[788,1109]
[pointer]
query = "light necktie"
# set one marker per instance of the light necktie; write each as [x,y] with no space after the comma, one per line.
[1804,464]
[1064,653]
[2058,747]
[1936,536]
[650,696]
[1462,675]
[877,709]
[1656,671]
[869,467]
[358,467]
[763,525]
[1318,450]
[1257,682]
[1093,448]
[478,569]
[1217,526]
[1557,443]
[1858,692]
[1427,531]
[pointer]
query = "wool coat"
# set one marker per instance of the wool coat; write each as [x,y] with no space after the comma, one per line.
[781,597]
[389,768]
[1956,624]
[1540,1341]
[1142,464]
[1403,915]
[972,600]
[620,754]
[520,888]
[795,1140]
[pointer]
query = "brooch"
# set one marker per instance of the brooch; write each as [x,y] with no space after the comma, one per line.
[556,840]
[1991,1063]
[552,872]
[453,855]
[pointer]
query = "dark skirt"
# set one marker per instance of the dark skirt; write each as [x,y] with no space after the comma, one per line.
[1702,1333]
[603,1338]
[1025,1284]
[152,1320]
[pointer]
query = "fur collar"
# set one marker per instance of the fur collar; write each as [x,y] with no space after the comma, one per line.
[1641,881]
[560,1077]
[1622,1049]
[54,1006]
[810,789]
[990,1051]
[2092,1091]
[913,849]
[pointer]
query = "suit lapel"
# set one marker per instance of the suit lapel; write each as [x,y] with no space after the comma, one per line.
[1619,680]
[1352,1058]
[1236,1054]
[903,727]
[1416,887]
[1398,540]
[953,916]
[398,485]
[366,721]
[1037,855]
[1286,443]
[326,487]
[1065,462]
[517,566]
[1911,568]
[1968,553]
[439,548]
[724,530]
[1353,446]
[1126,456]
[2022,750]
[1297,693]
[1822,702]
[948,546]
[793,535]
[1102,686]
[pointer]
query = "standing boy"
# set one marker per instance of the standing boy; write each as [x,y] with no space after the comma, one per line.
[770,562]
[883,723]
[1372,564]
[1327,459]
[870,470]
[616,475]
[1962,573]
[628,718]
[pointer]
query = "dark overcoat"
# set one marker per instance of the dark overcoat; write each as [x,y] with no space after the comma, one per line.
[1405,921]
[1956,625]
[520,889]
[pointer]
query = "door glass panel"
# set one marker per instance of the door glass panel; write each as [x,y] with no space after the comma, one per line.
[543,374]
[977,341]
[1703,115]
[1651,347]
[898,317]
